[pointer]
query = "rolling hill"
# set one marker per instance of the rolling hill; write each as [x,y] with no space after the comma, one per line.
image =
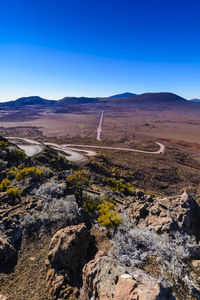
[125,100]
[124,95]
[32,100]
[195,100]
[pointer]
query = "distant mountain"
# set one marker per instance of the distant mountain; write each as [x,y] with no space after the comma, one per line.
[74,103]
[32,100]
[195,100]
[163,97]
[124,95]
[75,100]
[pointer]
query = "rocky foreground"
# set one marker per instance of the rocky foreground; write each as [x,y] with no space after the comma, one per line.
[69,233]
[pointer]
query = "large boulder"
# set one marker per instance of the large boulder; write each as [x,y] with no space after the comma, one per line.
[69,249]
[68,253]
[99,278]
[7,252]
[175,213]
[105,279]
[129,288]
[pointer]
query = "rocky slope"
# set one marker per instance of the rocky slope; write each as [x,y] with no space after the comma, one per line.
[68,232]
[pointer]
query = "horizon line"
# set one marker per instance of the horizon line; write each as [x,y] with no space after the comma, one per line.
[47,98]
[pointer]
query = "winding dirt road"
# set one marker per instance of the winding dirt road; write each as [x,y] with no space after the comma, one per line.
[72,154]
[161,149]
[31,147]
[34,147]
[31,150]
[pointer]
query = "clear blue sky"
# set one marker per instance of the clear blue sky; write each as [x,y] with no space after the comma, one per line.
[57,48]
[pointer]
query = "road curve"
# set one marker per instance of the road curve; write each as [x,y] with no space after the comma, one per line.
[99,129]
[36,147]
[71,155]
[32,142]
[161,150]
[31,150]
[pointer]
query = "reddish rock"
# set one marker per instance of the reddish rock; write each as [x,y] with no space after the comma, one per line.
[68,253]
[99,278]
[105,279]
[196,263]
[128,288]
[125,287]
[175,213]
[69,248]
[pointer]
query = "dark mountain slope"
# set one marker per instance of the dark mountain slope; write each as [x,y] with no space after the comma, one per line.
[76,100]
[159,98]
[195,100]
[32,100]
[124,95]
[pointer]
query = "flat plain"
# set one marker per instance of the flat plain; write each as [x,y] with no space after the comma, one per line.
[127,123]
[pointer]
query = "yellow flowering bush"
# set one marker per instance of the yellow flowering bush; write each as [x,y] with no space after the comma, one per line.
[21,172]
[107,215]
[4,184]
[3,144]
[13,192]
[120,186]
[90,204]
[78,178]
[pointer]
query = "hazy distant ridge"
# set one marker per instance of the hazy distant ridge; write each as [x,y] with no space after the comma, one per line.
[195,100]
[162,97]
[124,95]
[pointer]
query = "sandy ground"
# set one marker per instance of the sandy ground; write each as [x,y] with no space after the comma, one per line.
[58,125]
[158,125]
[151,124]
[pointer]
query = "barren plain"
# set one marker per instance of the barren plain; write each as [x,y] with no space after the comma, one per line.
[127,123]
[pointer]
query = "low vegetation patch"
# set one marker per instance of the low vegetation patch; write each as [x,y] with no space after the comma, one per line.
[51,190]
[132,246]
[103,210]
[4,184]
[13,192]
[20,173]
[120,185]
[77,180]
[53,215]
[107,215]
[3,144]
[50,158]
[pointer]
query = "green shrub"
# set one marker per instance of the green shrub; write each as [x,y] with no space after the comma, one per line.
[107,215]
[18,154]
[4,184]
[78,179]
[20,167]
[3,144]
[90,204]
[21,172]
[50,157]
[13,192]
[120,186]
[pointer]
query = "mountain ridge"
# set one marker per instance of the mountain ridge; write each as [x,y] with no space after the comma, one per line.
[123,95]
[30,100]
[195,100]
[160,98]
